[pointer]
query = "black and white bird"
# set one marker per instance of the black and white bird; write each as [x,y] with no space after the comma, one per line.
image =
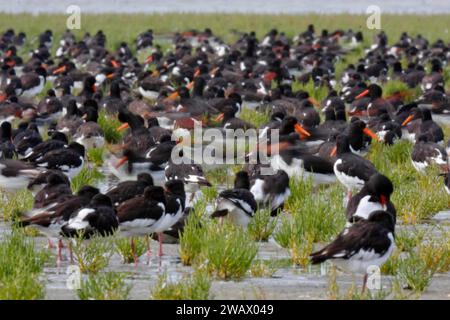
[140,215]
[15,174]
[38,183]
[351,170]
[427,126]
[58,140]
[174,209]
[426,153]
[54,191]
[129,189]
[271,191]
[33,82]
[69,160]
[375,195]
[364,244]
[90,134]
[97,218]
[237,204]
[7,148]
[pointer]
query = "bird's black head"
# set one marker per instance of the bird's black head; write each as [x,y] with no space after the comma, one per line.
[100,200]
[155,193]
[6,130]
[242,180]
[146,178]
[381,187]
[91,114]
[41,71]
[78,148]
[342,144]
[176,187]
[88,192]
[55,179]
[59,136]
[375,91]
[384,218]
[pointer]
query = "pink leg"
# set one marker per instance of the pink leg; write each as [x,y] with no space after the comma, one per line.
[160,239]
[50,244]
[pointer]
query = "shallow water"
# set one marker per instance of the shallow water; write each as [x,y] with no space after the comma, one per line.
[208,6]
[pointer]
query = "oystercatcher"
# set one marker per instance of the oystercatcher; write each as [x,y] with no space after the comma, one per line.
[238,204]
[15,174]
[129,189]
[57,141]
[271,191]
[375,195]
[364,244]
[139,216]
[427,126]
[69,160]
[351,170]
[426,153]
[97,218]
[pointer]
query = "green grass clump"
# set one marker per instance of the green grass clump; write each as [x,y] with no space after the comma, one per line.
[192,287]
[20,268]
[254,117]
[105,286]
[414,273]
[395,86]
[263,268]
[109,125]
[92,255]
[318,93]
[227,251]
[87,176]
[408,240]
[192,236]
[123,247]
[415,195]
[95,155]
[262,225]
[12,204]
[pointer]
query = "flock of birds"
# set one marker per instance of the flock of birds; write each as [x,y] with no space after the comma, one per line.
[205,81]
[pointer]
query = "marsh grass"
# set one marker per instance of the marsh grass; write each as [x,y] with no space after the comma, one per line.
[406,240]
[254,117]
[87,176]
[95,155]
[190,287]
[415,195]
[192,236]
[414,273]
[104,286]
[318,93]
[262,225]
[92,255]
[109,125]
[301,249]
[353,292]
[263,268]
[123,247]
[12,204]
[397,86]
[209,193]
[227,251]
[20,268]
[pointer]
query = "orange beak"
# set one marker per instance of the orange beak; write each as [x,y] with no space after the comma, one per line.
[407,120]
[314,102]
[114,63]
[197,73]
[11,63]
[149,60]
[370,133]
[59,70]
[362,94]
[121,162]
[333,152]
[190,85]
[123,127]
[219,117]
[213,71]
[173,96]
[269,76]
[9,53]
[3,97]
[301,131]
[110,76]
[94,88]
[383,200]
